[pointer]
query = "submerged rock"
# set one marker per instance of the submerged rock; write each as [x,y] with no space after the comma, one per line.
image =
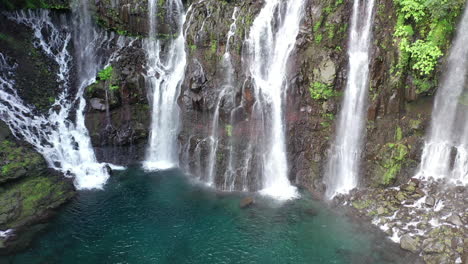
[246,202]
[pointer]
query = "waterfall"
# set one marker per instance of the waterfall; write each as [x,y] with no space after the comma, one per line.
[449,125]
[271,40]
[345,153]
[60,135]
[227,93]
[165,73]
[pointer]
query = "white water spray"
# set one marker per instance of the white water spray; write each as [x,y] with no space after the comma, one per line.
[64,143]
[227,94]
[448,134]
[345,153]
[165,75]
[271,40]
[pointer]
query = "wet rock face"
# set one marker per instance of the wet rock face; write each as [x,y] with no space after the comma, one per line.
[207,27]
[118,115]
[317,78]
[22,4]
[127,17]
[35,75]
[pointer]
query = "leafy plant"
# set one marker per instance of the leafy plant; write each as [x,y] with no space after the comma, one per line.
[425,56]
[106,73]
[321,91]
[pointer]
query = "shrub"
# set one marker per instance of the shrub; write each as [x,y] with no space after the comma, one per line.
[321,91]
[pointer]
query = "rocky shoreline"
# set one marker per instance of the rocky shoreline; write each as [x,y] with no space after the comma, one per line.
[425,217]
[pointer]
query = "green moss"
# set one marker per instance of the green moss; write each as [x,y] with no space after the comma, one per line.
[393,156]
[415,123]
[362,204]
[398,134]
[32,197]
[228,129]
[16,160]
[114,88]
[213,46]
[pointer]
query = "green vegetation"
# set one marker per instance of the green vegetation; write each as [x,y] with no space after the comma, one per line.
[16,160]
[228,129]
[318,38]
[114,87]
[31,197]
[321,91]
[106,73]
[362,204]
[398,154]
[393,156]
[423,32]
[214,46]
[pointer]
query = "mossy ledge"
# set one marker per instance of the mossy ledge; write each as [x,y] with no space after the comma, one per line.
[29,192]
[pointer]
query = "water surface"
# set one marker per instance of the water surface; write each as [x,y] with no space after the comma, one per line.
[162,217]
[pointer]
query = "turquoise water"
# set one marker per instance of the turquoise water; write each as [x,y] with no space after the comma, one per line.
[164,218]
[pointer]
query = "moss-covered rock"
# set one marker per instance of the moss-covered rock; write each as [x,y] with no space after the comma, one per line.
[29,192]
[35,77]
[26,200]
[16,161]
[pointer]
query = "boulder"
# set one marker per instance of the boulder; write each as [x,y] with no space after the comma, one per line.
[409,243]
[437,259]
[455,220]
[326,71]
[97,104]
[430,201]
[432,245]
[380,210]
[246,202]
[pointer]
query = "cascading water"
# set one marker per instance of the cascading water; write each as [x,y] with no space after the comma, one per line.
[345,153]
[271,40]
[164,77]
[64,143]
[449,126]
[227,93]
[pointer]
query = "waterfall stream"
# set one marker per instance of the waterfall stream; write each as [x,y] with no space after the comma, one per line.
[227,94]
[60,135]
[449,124]
[271,40]
[345,153]
[166,69]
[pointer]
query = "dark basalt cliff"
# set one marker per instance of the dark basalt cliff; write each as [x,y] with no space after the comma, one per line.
[399,105]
